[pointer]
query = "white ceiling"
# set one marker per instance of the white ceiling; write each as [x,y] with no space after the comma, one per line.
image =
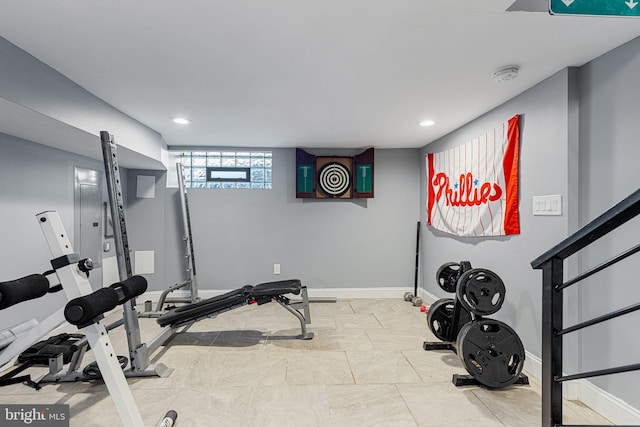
[305,73]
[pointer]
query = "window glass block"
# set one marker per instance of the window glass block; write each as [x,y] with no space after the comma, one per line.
[195,162]
[199,161]
[268,185]
[243,162]
[257,175]
[257,162]
[214,161]
[198,174]
[229,162]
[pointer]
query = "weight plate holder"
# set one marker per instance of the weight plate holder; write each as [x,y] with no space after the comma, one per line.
[481,291]
[492,353]
[441,319]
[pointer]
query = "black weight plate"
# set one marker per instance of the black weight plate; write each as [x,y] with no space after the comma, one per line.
[491,352]
[447,276]
[440,319]
[481,291]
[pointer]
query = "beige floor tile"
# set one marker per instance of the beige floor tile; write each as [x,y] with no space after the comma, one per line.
[574,412]
[435,366]
[381,367]
[218,406]
[402,320]
[295,406]
[517,405]
[253,369]
[245,367]
[330,308]
[396,339]
[445,405]
[318,367]
[327,339]
[367,405]
[373,306]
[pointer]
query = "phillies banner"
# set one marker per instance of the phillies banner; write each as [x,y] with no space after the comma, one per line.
[473,188]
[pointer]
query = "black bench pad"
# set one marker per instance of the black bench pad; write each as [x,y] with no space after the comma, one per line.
[236,298]
[197,310]
[274,289]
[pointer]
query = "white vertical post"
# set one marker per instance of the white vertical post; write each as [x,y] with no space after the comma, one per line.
[76,284]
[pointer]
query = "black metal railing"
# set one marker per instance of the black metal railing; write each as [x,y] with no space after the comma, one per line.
[552,263]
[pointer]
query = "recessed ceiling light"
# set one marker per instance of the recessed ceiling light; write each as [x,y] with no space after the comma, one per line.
[426,123]
[181,121]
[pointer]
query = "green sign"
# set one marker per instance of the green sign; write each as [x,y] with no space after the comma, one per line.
[595,7]
[305,178]
[364,179]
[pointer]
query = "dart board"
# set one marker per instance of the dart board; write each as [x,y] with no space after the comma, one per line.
[334,179]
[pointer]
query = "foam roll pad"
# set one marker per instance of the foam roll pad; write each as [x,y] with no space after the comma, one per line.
[131,288]
[24,289]
[81,311]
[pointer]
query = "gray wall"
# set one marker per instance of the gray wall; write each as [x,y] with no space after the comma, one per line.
[609,162]
[33,179]
[240,234]
[543,170]
[579,138]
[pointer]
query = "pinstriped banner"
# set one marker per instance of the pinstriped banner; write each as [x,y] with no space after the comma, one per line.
[473,188]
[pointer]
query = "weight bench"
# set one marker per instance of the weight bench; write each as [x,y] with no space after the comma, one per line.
[259,294]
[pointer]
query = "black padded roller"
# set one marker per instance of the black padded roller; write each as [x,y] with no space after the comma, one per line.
[131,288]
[81,311]
[23,289]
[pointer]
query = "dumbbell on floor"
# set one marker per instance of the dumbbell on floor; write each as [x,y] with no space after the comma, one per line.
[415,300]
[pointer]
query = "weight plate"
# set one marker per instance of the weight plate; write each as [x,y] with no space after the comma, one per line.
[491,352]
[481,291]
[447,276]
[440,319]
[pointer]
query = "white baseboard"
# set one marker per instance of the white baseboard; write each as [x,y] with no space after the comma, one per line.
[340,293]
[615,410]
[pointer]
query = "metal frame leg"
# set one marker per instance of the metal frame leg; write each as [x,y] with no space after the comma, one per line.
[76,284]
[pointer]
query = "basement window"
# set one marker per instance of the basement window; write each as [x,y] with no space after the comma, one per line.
[227,169]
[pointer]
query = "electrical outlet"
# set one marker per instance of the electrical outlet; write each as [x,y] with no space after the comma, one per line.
[276,268]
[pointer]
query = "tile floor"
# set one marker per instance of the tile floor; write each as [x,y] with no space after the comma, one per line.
[364,367]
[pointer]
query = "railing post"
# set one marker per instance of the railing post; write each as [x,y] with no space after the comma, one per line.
[552,277]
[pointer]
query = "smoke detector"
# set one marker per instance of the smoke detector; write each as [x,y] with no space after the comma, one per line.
[505,73]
